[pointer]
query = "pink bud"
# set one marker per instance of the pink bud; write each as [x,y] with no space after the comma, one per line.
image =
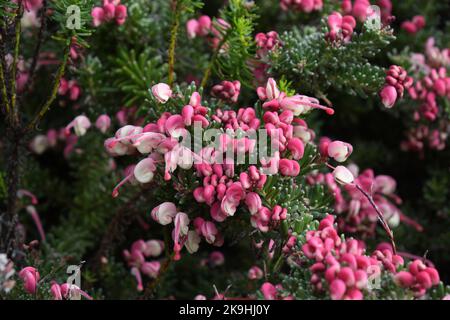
[98,16]
[388,96]
[269,291]
[255,273]
[192,27]
[103,123]
[109,10]
[337,289]
[339,150]
[342,175]
[120,14]
[272,91]
[296,147]
[30,276]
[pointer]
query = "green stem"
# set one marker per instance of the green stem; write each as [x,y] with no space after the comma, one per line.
[54,91]
[173,40]
[3,88]
[18,30]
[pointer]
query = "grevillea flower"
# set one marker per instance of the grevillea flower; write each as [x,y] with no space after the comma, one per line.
[162,92]
[342,175]
[339,150]
[80,125]
[164,213]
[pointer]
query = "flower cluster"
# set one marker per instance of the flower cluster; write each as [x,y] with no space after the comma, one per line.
[266,42]
[361,9]
[341,267]
[431,90]
[227,90]
[207,28]
[418,278]
[111,10]
[136,259]
[415,25]
[396,81]
[301,5]
[69,88]
[355,213]
[340,27]
[221,188]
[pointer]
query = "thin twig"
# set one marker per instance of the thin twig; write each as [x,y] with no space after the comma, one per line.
[380,216]
[18,30]
[4,91]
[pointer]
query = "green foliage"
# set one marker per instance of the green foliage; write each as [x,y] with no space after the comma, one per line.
[6,8]
[66,13]
[314,65]
[237,46]
[135,73]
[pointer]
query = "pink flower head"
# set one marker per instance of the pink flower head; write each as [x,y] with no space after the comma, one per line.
[161,92]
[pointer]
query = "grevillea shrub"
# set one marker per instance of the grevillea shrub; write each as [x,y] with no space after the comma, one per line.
[189,149]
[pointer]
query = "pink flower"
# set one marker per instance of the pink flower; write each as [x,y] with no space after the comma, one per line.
[30,276]
[161,92]
[227,90]
[103,123]
[120,14]
[296,147]
[255,273]
[269,291]
[164,213]
[80,125]
[339,150]
[342,175]
[145,170]
[289,168]
[192,27]
[98,16]
[253,202]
